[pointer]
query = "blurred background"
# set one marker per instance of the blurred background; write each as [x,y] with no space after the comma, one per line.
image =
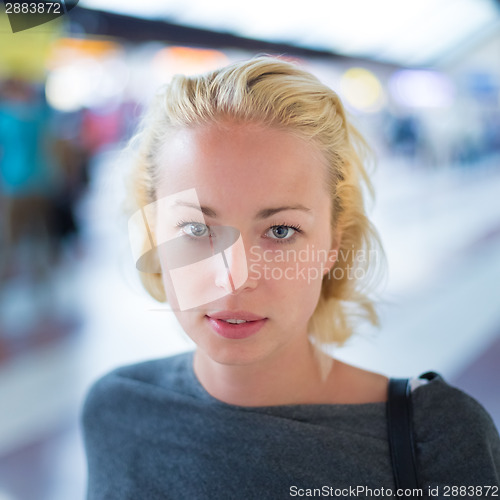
[421,79]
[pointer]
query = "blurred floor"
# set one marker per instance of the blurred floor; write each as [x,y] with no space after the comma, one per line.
[442,233]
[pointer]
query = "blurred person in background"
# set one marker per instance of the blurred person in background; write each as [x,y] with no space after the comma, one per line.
[263,152]
[73,159]
[42,176]
[27,180]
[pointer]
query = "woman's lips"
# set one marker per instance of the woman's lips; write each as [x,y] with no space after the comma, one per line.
[245,315]
[235,330]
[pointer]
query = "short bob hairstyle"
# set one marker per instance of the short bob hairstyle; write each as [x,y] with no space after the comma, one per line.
[276,93]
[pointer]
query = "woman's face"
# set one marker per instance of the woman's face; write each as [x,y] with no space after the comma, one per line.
[245,215]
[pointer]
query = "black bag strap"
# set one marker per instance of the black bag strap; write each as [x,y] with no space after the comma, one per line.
[401,443]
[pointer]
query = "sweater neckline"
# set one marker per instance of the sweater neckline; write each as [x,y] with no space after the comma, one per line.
[201,393]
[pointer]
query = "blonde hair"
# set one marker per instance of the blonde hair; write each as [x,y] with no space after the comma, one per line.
[276,93]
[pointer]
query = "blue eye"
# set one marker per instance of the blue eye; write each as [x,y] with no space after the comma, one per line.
[194,229]
[282,232]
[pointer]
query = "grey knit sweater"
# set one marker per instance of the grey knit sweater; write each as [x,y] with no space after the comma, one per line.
[152,432]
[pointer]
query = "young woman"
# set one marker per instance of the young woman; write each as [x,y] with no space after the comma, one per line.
[249,187]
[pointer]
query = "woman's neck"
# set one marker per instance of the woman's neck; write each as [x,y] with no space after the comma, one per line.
[291,376]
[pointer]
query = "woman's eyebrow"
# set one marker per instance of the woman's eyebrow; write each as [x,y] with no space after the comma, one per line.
[209,212]
[268,212]
[261,214]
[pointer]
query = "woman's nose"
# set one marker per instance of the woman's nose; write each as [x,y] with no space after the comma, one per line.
[224,280]
[234,277]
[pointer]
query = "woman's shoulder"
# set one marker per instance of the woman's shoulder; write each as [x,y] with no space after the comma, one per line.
[456,439]
[139,379]
[437,405]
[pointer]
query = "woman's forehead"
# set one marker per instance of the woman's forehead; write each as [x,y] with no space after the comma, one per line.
[243,158]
